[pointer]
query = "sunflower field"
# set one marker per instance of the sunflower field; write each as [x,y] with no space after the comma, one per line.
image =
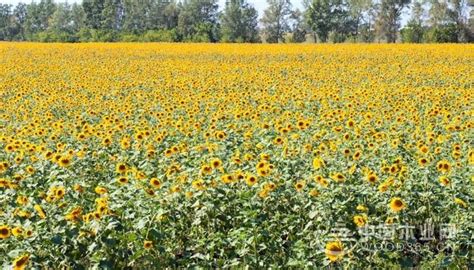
[134,156]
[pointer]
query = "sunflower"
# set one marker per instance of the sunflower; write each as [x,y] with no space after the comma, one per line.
[168,152]
[28,233]
[18,159]
[101,201]
[321,181]
[122,180]
[9,148]
[21,262]
[139,136]
[371,178]
[17,231]
[206,169]
[356,155]
[299,186]
[154,182]
[390,220]
[278,141]
[4,183]
[423,161]
[121,168]
[101,208]
[443,166]
[216,163]
[460,202]
[444,181]
[100,190]
[220,135]
[78,188]
[198,184]
[125,143]
[81,154]
[64,161]
[394,169]
[175,189]
[384,186]
[334,251]
[4,232]
[346,152]
[338,177]
[318,163]
[59,192]
[263,172]
[313,192]
[251,180]
[424,149]
[150,192]
[189,194]
[261,164]
[237,160]
[22,200]
[227,178]
[359,220]
[30,169]
[396,204]
[350,123]
[263,193]
[147,244]
[40,211]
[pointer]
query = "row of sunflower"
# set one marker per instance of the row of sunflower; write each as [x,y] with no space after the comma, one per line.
[165,155]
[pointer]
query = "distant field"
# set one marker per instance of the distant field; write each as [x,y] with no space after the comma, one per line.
[183,155]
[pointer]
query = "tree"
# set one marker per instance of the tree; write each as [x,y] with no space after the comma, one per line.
[459,15]
[78,18]
[93,11]
[298,26]
[46,9]
[134,13]
[360,12]
[275,20]
[443,33]
[388,18]
[111,15]
[5,14]
[198,21]
[19,20]
[413,32]
[171,15]
[470,24]
[60,23]
[324,16]
[239,22]
[448,21]
[438,13]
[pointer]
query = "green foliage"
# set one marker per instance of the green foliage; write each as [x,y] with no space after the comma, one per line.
[275,20]
[239,22]
[443,34]
[129,37]
[388,19]
[318,16]
[197,22]
[103,35]
[412,33]
[85,35]
[160,36]
[299,28]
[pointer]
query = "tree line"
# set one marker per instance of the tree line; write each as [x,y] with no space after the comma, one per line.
[238,21]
